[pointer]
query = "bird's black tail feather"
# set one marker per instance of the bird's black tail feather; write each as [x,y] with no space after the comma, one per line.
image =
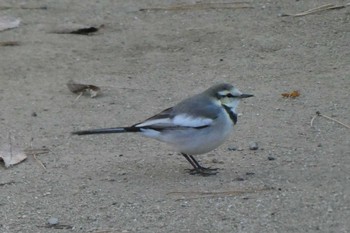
[107,130]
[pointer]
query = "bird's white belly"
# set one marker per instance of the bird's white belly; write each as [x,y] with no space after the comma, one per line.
[196,141]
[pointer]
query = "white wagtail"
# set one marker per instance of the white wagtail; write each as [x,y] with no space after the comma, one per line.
[196,125]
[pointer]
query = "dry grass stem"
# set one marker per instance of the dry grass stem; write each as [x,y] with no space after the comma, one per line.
[39,162]
[35,152]
[201,6]
[312,121]
[332,119]
[23,7]
[200,194]
[76,99]
[318,9]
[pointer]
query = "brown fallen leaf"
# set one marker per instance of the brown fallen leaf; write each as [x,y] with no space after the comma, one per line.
[8,22]
[9,43]
[78,88]
[77,29]
[292,94]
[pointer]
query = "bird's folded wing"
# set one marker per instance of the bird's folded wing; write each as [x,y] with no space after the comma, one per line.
[167,119]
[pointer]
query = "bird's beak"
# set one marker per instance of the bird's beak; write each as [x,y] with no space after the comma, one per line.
[245,96]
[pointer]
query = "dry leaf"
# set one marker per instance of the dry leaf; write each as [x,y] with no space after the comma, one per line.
[78,88]
[78,29]
[292,94]
[9,43]
[12,156]
[8,22]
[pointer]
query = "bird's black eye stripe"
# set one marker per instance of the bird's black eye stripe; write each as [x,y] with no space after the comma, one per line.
[228,95]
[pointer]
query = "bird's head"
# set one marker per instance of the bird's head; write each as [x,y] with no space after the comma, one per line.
[227,95]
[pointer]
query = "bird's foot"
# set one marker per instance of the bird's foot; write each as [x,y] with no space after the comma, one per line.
[203,171]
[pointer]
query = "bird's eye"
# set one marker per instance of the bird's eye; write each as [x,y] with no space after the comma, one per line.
[228,95]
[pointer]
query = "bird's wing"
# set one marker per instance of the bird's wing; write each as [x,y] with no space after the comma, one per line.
[162,119]
[193,116]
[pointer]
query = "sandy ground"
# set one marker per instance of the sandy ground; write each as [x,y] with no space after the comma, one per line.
[145,61]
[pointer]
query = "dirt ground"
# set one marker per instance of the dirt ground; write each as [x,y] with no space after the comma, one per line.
[148,60]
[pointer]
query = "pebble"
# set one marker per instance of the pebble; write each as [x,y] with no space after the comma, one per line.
[253,146]
[271,158]
[232,148]
[239,179]
[52,221]
[214,160]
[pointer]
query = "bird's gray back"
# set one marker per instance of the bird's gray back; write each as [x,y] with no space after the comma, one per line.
[198,105]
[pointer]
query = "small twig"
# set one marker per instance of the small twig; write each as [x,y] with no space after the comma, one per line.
[24,7]
[105,231]
[35,152]
[10,142]
[57,226]
[76,99]
[200,6]
[312,120]
[332,119]
[198,194]
[39,162]
[318,9]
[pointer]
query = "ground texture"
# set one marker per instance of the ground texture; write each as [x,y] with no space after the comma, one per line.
[147,60]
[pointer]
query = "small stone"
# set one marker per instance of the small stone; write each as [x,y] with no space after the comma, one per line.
[232,148]
[214,160]
[239,179]
[253,146]
[52,221]
[271,158]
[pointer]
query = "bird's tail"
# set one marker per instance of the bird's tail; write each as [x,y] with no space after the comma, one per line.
[107,130]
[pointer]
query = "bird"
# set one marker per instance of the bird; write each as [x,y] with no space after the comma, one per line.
[194,126]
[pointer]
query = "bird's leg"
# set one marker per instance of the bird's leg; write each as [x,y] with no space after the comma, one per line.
[194,164]
[201,167]
[197,168]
